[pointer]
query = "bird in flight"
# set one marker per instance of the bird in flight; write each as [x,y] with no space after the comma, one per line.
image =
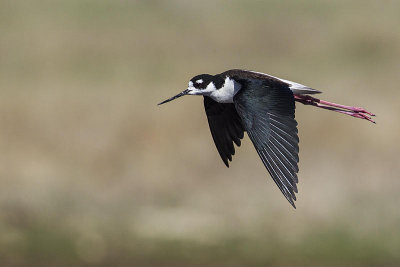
[238,101]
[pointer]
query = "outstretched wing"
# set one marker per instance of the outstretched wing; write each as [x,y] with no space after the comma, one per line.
[225,126]
[267,112]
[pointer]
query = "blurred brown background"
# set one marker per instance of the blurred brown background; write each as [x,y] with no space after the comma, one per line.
[93,173]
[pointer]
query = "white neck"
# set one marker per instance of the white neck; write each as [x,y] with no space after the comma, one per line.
[226,93]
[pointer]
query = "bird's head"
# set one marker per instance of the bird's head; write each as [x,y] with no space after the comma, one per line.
[203,84]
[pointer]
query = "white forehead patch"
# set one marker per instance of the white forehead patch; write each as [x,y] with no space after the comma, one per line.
[199,81]
[190,84]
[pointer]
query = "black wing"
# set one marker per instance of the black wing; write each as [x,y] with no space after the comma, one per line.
[267,112]
[225,126]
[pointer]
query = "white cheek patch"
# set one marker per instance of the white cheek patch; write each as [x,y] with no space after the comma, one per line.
[199,81]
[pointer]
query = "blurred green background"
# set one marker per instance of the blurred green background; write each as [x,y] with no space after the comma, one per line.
[93,173]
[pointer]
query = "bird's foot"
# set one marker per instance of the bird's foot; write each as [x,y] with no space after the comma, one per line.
[357,110]
[356,114]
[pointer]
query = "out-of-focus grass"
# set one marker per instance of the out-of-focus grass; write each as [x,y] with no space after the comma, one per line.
[92,172]
[45,243]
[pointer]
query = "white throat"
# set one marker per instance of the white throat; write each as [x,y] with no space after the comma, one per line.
[226,93]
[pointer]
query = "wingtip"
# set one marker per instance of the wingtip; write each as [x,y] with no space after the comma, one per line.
[291,199]
[292,203]
[226,163]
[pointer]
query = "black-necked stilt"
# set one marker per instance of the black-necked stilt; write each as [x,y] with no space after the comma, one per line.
[264,106]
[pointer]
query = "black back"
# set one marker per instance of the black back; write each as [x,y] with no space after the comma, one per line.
[238,74]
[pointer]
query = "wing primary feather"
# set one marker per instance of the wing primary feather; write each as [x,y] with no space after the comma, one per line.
[295,158]
[288,144]
[288,164]
[280,185]
[287,192]
[284,170]
[292,136]
[279,175]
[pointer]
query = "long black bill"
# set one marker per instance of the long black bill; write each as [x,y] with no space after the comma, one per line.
[175,97]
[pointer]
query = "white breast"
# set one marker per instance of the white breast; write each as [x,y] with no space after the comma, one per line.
[226,93]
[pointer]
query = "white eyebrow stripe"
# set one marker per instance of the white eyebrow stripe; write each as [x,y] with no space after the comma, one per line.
[199,81]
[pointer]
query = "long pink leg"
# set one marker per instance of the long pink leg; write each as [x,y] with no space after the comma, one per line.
[356,112]
[355,109]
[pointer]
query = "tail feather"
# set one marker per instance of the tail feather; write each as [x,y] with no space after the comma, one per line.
[304,90]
